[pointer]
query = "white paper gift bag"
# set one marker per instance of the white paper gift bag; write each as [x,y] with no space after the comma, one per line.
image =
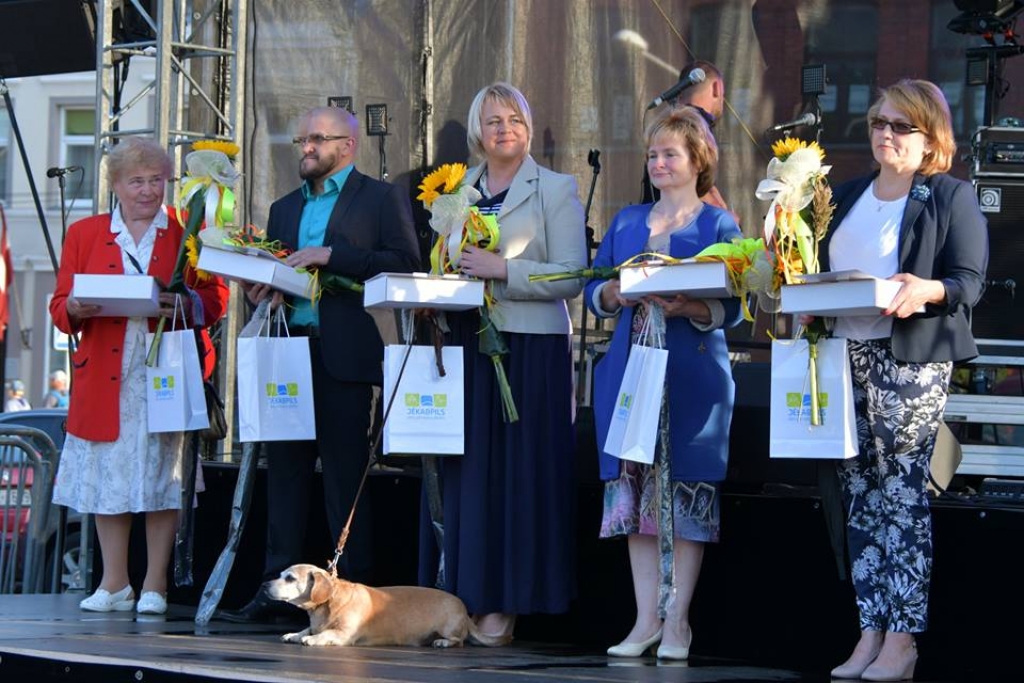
[791,434]
[275,387]
[428,413]
[167,405]
[175,400]
[633,432]
[198,417]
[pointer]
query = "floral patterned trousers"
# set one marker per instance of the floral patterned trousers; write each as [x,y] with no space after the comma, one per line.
[899,408]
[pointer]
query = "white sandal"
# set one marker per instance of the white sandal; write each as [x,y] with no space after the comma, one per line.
[105,601]
[152,602]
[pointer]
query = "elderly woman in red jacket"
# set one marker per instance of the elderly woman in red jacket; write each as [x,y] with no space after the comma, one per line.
[111,465]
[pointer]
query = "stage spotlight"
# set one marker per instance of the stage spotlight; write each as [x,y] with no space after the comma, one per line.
[985,17]
[376,119]
[344,102]
[812,80]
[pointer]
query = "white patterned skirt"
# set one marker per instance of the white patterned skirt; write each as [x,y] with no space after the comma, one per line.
[139,472]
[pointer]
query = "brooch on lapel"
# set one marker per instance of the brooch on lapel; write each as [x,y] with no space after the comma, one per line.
[920,192]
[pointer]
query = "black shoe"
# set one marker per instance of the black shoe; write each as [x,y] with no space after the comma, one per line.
[262,610]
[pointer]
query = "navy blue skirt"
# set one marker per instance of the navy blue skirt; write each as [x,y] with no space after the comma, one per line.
[509,501]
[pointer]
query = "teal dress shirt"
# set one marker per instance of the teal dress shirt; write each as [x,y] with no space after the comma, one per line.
[312,229]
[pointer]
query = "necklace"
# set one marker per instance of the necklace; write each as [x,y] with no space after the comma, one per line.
[882,203]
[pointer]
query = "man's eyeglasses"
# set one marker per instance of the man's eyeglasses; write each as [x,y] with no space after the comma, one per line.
[317,138]
[898,127]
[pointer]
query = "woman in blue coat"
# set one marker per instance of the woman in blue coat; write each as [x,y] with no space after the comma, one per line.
[681,160]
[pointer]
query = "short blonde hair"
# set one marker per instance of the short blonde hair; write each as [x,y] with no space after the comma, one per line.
[687,124]
[508,95]
[135,153]
[924,105]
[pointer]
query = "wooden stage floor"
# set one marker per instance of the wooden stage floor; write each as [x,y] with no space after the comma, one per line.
[46,637]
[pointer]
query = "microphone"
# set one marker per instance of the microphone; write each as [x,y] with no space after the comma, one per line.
[807,119]
[693,78]
[57,171]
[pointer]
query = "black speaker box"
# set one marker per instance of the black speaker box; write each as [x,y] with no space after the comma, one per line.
[1000,313]
[39,37]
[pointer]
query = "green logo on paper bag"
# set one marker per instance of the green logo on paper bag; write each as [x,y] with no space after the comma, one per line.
[284,394]
[426,405]
[798,405]
[282,389]
[163,388]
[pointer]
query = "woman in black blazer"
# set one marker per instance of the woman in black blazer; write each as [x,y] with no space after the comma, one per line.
[909,222]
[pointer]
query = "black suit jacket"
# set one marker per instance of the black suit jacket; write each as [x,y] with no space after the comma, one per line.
[370,231]
[943,236]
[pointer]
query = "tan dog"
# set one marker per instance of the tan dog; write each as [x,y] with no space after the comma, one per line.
[345,613]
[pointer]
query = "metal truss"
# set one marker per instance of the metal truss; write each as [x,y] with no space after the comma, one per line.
[198,48]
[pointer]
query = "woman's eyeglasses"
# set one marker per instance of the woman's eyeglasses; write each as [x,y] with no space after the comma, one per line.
[317,138]
[898,127]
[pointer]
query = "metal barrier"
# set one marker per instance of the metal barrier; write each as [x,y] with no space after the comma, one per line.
[28,465]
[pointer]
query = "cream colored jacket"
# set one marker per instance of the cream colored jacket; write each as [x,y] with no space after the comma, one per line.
[542,231]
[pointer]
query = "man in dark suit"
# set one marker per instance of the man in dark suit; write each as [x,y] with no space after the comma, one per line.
[343,222]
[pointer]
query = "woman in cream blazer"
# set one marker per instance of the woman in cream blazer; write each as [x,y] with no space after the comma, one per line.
[508,501]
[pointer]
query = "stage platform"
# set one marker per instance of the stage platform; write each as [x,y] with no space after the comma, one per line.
[47,638]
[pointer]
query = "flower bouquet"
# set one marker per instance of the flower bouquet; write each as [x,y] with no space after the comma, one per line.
[206,192]
[458,224]
[800,213]
[252,241]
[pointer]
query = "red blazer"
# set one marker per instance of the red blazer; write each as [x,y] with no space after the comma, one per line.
[90,248]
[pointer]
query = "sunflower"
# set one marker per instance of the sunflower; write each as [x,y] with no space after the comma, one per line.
[228,148]
[442,180]
[783,148]
[192,247]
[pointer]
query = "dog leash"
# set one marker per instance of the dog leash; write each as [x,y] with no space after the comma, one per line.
[408,332]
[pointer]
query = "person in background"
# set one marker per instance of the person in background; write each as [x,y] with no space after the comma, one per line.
[912,223]
[57,396]
[697,408]
[708,98]
[508,501]
[343,222]
[16,397]
[111,466]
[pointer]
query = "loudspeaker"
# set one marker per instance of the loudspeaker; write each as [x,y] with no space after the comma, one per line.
[1000,313]
[39,37]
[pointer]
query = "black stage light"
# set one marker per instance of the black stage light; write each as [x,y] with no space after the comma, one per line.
[376,119]
[812,80]
[344,102]
[985,17]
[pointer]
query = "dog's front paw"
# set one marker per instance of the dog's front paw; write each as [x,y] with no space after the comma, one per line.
[446,642]
[323,638]
[295,637]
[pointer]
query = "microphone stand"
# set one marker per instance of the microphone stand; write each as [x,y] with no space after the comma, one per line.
[62,187]
[594,160]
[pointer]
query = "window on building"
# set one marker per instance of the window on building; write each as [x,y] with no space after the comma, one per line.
[78,148]
[5,156]
[844,37]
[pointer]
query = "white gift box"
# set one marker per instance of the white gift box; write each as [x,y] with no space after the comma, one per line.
[254,265]
[423,290]
[127,296]
[701,279]
[844,292]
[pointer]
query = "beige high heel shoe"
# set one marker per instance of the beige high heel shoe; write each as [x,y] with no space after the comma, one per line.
[625,649]
[902,671]
[853,667]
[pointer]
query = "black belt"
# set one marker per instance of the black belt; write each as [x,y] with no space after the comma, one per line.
[312,331]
